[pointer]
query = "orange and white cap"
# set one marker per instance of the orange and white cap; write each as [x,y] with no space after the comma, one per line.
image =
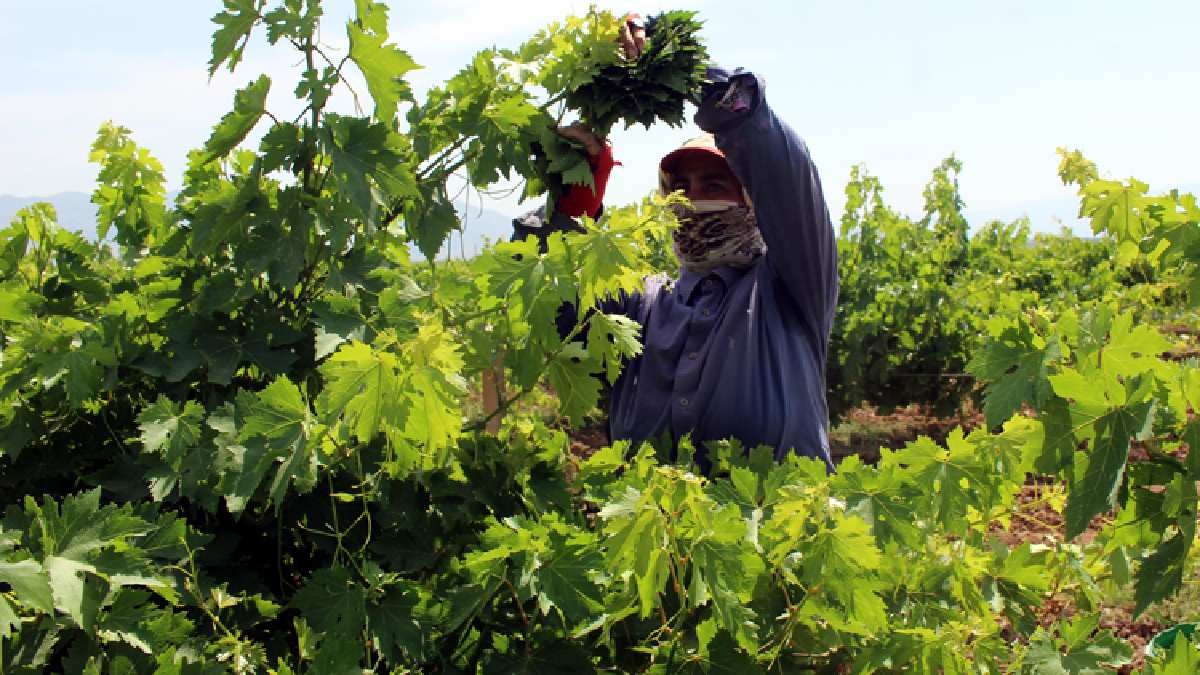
[702,145]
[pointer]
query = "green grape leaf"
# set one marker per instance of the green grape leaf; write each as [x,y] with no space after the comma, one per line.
[30,583]
[881,498]
[382,65]
[249,105]
[1191,436]
[131,190]
[612,256]
[363,386]
[1161,573]
[956,477]
[76,539]
[724,656]
[636,536]
[735,616]
[83,375]
[77,591]
[1115,208]
[366,157]
[512,113]
[338,320]
[287,20]
[430,220]
[170,430]
[16,302]
[134,619]
[278,417]
[334,604]
[241,466]
[1113,429]
[1024,567]
[280,146]
[564,581]
[726,567]
[1058,437]
[399,625]
[1093,655]
[579,173]
[434,387]
[570,373]
[669,71]
[236,22]
[1190,387]
[1014,366]
[1132,350]
[611,339]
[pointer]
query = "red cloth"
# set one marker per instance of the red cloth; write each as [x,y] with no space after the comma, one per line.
[580,199]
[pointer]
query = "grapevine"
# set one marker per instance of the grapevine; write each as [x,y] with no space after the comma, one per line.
[242,436]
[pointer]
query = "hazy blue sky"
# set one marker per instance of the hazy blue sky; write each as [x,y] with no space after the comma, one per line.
[896,86]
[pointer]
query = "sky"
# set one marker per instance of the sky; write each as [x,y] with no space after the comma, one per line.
[893,86]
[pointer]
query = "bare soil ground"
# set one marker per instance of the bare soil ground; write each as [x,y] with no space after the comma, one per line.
[863,431]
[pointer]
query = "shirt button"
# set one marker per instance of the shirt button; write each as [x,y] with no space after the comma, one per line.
[706,311]
[693,356]
[683,402]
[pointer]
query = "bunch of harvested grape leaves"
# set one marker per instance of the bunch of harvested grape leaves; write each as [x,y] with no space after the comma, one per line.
[651,87]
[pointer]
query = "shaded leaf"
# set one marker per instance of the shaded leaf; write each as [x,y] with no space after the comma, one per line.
[249,105]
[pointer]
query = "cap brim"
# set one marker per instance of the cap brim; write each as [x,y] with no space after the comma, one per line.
[668,162]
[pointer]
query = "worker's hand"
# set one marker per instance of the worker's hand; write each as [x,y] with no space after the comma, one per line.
[632,36]
[580,133]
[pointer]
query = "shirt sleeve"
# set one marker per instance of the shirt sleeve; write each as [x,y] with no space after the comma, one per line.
[774,166]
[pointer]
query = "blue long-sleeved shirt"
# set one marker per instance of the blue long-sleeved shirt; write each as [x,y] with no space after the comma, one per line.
[741,353]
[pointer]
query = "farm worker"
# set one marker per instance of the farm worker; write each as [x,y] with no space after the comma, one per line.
[735,347]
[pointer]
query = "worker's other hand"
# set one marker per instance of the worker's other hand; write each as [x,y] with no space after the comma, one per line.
[632,36]
[580,133]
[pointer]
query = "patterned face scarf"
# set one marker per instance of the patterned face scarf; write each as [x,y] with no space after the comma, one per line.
[716,233]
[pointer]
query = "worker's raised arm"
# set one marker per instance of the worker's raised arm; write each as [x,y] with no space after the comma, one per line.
[773,164]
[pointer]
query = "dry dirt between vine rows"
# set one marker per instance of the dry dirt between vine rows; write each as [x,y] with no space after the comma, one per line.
[864,431]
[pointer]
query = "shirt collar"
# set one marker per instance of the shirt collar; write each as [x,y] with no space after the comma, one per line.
[689,280]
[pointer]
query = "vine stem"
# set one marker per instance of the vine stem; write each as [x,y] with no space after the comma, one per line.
[423,173]
[521,611]
[793,614]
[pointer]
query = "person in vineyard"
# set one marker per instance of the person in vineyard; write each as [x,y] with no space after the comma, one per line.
[736,346]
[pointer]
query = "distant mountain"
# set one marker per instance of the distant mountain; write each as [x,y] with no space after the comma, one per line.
[1047,215]
[479,227]
[76,212]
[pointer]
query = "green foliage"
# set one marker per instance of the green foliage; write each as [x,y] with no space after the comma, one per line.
[262,361]
[651,87]
[249,105]
[384,66]
[131,192]
[919,297]
[1100,379]
[1078,650]
[237,439]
